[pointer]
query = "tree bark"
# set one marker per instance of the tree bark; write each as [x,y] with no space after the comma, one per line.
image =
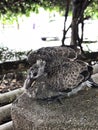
[7,126]
[66,15]
[5,113]
[9,97]
[78,8]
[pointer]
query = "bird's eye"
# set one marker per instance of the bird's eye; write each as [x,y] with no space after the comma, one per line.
[35,74]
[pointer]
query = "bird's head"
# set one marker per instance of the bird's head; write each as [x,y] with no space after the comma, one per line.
[35,73]
[37,69]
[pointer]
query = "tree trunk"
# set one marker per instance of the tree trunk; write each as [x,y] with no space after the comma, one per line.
[5,113]
[9,97]
[76,14]
[7,126]
[78,8]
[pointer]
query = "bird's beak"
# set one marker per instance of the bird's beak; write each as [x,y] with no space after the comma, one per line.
[29,83]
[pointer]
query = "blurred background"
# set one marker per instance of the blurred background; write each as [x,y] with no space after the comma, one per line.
[44,29]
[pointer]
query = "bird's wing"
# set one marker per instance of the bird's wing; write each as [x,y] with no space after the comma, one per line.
[49,54]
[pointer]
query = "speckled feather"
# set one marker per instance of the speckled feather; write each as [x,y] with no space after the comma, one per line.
[60,78]
[49,54]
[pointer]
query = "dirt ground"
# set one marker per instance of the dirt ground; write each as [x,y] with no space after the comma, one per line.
[11,81]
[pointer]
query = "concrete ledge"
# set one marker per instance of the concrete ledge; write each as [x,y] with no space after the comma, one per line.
[79,112]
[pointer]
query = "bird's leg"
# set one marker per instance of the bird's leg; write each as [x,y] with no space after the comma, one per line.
[57,97]
[77,89]
[89,83]
[59,100]
[61,96]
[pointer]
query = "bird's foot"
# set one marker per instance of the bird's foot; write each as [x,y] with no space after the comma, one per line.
[58,98]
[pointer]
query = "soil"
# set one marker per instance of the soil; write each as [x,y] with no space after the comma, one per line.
[11,81]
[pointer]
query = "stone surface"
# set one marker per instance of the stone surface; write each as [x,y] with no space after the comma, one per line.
[79,112]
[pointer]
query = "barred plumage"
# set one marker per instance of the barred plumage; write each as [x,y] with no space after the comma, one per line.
[55,72]
[61,79]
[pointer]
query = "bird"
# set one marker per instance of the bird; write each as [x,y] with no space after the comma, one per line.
[50,53]
[62,80]
[52,56]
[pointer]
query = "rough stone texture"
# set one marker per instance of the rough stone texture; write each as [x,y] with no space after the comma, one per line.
[79,112]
